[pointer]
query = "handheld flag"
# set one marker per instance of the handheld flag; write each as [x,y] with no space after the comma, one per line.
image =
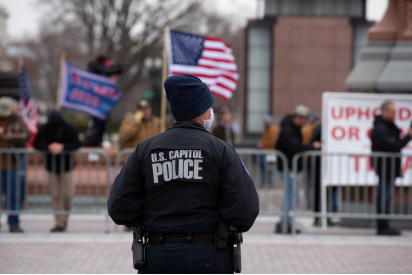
[28,109]
[208,58]
[87,92]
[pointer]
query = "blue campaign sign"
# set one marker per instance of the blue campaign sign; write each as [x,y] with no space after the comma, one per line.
[87,92]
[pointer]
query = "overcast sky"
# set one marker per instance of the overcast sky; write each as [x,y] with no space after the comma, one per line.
[25,15]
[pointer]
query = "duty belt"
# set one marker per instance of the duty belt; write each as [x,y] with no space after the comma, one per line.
[161,238]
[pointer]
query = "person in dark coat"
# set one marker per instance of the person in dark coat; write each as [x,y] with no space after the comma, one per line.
[385,137]
[290,143]
[223,130]
[58,139]
[314,180]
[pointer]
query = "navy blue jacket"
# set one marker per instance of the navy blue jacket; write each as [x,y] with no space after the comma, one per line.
[184,176]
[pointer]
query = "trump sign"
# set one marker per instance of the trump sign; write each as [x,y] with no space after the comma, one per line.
[347,122]
[87,92]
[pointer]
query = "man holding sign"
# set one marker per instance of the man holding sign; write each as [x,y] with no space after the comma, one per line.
[385,137]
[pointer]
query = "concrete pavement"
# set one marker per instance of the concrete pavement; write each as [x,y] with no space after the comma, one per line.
[86,249]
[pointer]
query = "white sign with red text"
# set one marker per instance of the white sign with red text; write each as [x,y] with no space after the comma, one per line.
[347,122]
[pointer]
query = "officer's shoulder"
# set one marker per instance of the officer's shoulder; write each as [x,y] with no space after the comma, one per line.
[222,145]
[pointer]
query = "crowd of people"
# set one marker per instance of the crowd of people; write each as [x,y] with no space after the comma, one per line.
[57,139]
[301,131]
[298,132]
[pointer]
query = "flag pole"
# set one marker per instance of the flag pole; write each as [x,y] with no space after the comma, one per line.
[163,104]
[20,63]
[62,61]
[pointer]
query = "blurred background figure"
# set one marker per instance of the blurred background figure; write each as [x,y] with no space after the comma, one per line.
[138,126]
[385,137]
[13,134]
[270,135]
[58,139]
[224,129]
[268,142]
[290,143]
[97,127]
[307,130]
[313,180]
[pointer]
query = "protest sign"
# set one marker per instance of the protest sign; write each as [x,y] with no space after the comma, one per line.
[87,92]
[347,122]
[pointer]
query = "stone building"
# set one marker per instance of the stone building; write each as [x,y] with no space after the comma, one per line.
[297,51]
[386,61]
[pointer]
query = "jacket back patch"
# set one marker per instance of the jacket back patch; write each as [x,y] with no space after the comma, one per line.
[165,165]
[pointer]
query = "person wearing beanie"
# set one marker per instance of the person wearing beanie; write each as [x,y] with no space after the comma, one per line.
[184,187]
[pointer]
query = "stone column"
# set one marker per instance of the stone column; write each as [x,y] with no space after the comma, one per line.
[385,65]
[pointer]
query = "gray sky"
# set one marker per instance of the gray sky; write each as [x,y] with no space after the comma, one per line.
[25,14]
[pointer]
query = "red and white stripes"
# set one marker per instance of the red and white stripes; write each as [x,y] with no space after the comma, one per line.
[216,67]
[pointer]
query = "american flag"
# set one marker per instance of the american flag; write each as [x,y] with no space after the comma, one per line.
[208,58]
[27,105]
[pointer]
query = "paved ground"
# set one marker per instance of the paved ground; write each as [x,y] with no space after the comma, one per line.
[86,249]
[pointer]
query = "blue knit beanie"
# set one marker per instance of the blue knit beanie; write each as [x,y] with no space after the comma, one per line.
[188,96]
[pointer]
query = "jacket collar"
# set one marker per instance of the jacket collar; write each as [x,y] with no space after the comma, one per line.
[188,125]
[379,120]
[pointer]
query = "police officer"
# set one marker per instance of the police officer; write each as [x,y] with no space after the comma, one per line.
[180,183]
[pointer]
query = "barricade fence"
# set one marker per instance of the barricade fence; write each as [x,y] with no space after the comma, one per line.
[356,186]
[36,182]
[318,185]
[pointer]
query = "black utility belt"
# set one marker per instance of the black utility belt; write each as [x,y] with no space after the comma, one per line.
[161,238]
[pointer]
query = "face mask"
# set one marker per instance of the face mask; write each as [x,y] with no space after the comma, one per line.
[207,123]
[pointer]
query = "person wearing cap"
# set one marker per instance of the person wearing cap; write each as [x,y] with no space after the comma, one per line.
[138,126]
[223,129]
[180,183]
[290,143]
[13,134]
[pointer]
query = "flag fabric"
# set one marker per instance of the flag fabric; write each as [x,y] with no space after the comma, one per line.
[208,58]
[28,109]
[87,92]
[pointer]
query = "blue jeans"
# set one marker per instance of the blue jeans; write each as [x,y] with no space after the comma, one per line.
[186,258]
[288,197]
[384,189]
[264,165]
[13,192]
[334,202]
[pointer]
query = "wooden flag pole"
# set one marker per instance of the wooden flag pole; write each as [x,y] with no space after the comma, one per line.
[20,63]
[163,104]
[62,61]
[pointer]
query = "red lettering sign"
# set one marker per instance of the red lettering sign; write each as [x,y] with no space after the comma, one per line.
[404,114]
[340,113]
[338,133]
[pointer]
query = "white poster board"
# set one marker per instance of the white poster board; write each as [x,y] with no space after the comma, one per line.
[347,121]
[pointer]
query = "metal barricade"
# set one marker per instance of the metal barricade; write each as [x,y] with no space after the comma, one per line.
[70,183]
[342,185]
